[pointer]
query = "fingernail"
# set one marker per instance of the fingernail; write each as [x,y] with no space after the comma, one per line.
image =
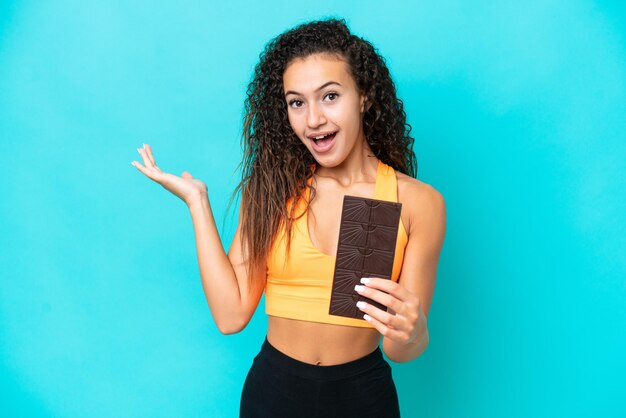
[144,145]
[365,280]
[361,304]
[358,288]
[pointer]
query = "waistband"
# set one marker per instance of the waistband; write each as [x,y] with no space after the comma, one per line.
[311,371]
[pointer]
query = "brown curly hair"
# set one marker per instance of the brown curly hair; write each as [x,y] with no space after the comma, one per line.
[276,164]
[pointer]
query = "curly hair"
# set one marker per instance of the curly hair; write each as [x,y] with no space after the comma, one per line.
[276,164]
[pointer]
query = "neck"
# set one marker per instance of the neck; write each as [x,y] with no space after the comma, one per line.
[359,166]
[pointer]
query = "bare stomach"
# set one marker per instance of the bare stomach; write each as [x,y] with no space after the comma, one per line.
[318,343]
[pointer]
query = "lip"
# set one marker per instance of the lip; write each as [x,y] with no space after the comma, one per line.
[313,135]
[326,147]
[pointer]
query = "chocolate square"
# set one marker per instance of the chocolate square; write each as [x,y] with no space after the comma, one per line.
[366,248]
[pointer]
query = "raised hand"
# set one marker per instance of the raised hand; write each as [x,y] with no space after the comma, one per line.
[185,187]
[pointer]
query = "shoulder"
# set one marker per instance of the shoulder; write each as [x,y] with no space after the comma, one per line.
[424,203]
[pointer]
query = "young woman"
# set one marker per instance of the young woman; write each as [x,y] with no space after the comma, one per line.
[322,121]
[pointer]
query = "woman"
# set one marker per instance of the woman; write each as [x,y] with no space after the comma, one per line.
[322,121]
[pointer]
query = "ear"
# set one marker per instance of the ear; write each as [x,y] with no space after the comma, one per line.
[362,103]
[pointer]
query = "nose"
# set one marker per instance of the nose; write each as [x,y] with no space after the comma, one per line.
[315,116]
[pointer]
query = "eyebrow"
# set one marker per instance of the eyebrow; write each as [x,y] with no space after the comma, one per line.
[318,89]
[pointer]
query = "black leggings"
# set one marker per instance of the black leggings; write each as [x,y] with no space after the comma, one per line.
[279,386]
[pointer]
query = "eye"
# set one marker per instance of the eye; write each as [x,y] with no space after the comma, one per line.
[332,94]
[291,102]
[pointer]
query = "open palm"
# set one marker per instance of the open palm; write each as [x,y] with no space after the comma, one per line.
[185,187]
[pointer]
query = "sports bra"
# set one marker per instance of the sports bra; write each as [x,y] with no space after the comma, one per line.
[299,287]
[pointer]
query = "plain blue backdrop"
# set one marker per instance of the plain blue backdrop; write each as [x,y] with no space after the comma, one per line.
[519,115]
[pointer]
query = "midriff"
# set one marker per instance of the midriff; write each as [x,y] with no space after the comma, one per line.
[318,343]
[313,338]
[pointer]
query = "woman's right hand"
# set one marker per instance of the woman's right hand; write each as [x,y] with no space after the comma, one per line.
[185,187]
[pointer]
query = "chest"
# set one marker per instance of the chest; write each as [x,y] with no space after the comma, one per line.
[323,221]
[323,218]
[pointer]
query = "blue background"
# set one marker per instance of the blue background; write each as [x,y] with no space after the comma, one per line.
[519,115]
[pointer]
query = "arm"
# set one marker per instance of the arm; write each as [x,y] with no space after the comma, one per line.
[403,324]
[419,269]
[223,276]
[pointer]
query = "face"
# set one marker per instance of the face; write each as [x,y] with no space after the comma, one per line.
[322,98]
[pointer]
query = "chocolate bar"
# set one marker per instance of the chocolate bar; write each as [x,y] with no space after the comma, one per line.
[366,248]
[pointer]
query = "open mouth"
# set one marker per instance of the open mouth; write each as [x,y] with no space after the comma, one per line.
[324,143]
[324,139]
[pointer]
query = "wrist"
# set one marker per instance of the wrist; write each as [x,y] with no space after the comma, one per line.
[198,202]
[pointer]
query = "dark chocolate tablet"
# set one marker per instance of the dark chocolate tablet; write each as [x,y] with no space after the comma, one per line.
[366,248]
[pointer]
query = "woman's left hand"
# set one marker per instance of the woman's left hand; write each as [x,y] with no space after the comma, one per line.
[405,320]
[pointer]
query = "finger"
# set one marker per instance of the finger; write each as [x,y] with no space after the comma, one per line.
[147,169]
[384,317]
[384,329]
[379,296]
[390,287]
[153,174]
[148,149]
[146,160]
[141,168]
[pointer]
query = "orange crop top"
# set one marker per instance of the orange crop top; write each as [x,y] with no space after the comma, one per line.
[300,287]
